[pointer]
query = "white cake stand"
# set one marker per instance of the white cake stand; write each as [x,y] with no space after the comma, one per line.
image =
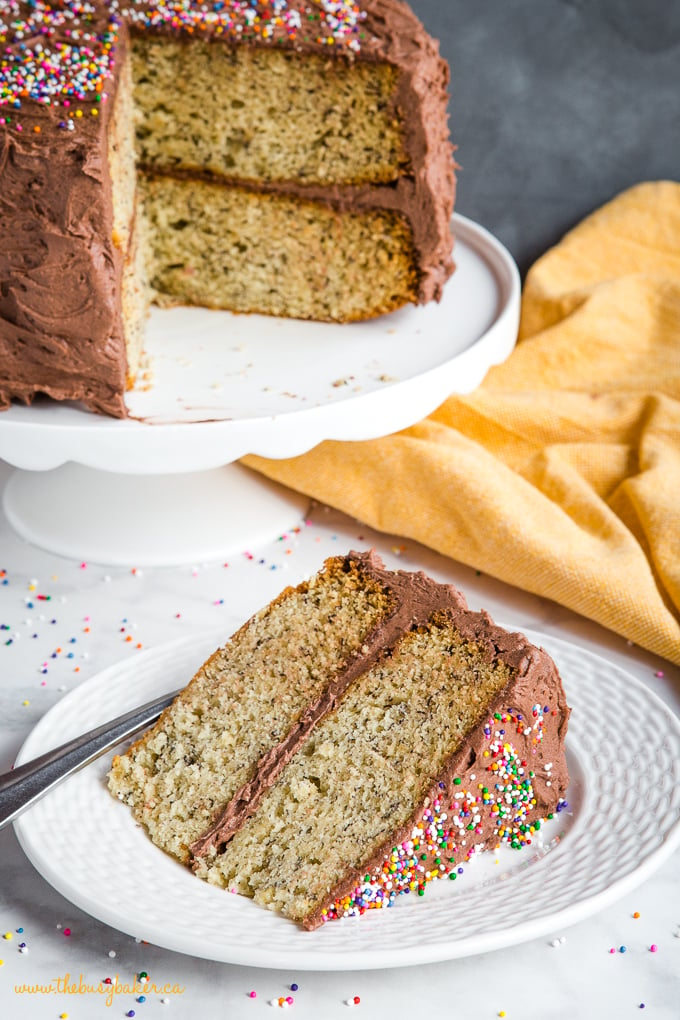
[162,487]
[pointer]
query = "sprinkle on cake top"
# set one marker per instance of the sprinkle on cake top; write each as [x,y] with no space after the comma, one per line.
[54,52]
[60,51]
[326,22]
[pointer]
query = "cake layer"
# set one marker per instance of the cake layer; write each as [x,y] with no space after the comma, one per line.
[224,246]
[127,226]
[263,115]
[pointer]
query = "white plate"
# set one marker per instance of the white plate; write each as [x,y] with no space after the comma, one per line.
[623,821]
[227,385]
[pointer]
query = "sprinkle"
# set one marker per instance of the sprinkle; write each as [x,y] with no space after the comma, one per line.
[67,931]
[622,949]
[653,948]
[112,953]
[8,935]
[636,914]
[294,987]
[252,995]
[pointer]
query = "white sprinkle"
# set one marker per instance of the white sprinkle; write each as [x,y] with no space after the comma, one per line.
[112,953]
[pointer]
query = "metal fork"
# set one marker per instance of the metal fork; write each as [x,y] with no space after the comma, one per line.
[23,786]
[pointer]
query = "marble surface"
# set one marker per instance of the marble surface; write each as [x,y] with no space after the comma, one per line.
[65,620]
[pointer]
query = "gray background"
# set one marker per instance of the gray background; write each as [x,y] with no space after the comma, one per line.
[556,106]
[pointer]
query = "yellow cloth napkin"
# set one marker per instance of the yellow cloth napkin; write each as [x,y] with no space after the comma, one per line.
[561,473]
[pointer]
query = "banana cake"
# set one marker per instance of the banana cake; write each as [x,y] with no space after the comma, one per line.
[360,737]
[281,157]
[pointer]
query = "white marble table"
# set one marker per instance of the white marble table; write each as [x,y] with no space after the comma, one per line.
[112,613]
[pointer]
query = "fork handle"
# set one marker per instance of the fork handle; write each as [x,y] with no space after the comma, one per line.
[24,785]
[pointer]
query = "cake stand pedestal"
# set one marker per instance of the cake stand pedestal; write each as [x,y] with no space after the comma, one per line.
[162,487]
[155,520]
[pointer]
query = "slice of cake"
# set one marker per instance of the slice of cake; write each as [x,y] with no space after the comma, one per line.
[360,737]
[280,157]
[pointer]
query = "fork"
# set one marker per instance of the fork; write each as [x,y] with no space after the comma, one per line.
[21,787]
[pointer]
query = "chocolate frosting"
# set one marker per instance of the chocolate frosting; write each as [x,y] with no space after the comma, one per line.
[417,600]
[60,322]
[61,331]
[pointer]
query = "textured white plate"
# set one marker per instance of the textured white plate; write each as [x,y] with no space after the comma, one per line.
[223,385]
[623,821]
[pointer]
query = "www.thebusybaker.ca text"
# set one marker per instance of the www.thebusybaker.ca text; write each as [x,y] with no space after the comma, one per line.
[67,985]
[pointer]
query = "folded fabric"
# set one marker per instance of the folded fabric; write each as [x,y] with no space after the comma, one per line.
[561,473]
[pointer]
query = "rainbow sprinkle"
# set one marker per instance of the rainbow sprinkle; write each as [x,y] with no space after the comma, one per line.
[64,57]
[446,833]
[325,22]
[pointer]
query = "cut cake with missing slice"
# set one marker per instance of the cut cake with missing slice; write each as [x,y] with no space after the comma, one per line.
[358,738]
